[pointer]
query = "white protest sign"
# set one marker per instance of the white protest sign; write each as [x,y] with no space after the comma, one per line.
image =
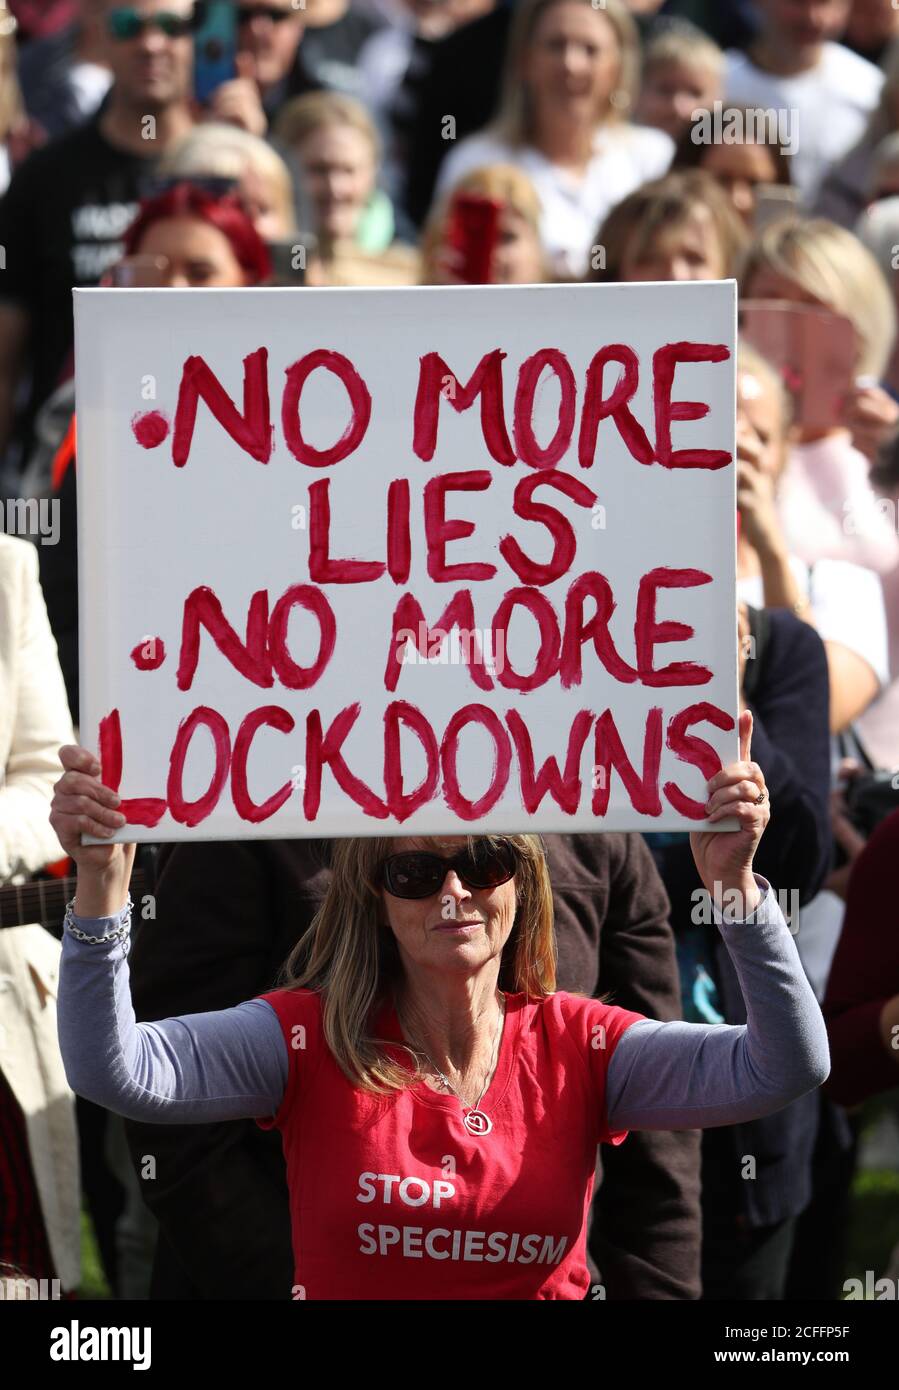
[356,561]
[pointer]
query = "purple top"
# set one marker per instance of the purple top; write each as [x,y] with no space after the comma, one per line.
[232,1064]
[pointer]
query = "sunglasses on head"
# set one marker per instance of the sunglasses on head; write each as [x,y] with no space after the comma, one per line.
[129,24]
[418,874]
[245,13]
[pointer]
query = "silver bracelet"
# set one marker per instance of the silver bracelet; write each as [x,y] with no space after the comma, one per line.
[117,935]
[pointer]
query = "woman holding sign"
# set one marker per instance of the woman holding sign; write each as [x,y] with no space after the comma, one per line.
[440,1135]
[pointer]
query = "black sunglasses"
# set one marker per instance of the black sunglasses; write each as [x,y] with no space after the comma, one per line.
[129,24]
[216,185]
[417,874]
[247,12]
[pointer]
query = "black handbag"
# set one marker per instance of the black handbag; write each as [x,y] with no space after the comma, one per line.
[870,798]
[873,794]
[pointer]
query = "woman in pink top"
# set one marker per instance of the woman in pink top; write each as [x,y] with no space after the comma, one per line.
[827,504]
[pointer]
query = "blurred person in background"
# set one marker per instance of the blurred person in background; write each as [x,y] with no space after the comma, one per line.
[19,134]
[202,241]
[884,181]
[871,28]
[430,89]
[794,66]
[40,1196]
[845,604]
[861,1006]
[286,49]
[270,65]
[569,90]
[223,159]
[878,728]
[680,227]
[390,64]
[683,72]
[68,206]
[182,238]
[335,34]
[38,18]
[749,1227]
[842,601]
[827,504]
[652,236]
[262,179]
[644,10]
[878,230]
[518,257]
[849,185]
[743,167]
[787,676]
[731,23]
[337,152]
[386,54]
[66,75]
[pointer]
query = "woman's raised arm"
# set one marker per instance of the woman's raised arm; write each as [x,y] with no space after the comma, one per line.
[698,1075]
[229,1064]
[225,1065]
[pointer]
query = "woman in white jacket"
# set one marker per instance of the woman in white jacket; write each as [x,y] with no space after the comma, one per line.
[39,1174]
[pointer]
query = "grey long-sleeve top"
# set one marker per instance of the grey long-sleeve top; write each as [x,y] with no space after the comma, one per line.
[233,1063]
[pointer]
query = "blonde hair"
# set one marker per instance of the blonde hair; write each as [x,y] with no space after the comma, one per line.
[349,954]
[659,206]
[829,262]
[514,122]
[504,182]
[683,43]
[304,115]
[11,107]
[213,149]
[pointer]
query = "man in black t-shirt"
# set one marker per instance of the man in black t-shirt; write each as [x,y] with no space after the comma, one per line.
[67,206]
[333,38]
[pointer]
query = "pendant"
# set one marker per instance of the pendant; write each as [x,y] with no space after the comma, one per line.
[477,1123]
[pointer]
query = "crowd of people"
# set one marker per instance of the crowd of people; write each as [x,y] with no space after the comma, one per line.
[456,142]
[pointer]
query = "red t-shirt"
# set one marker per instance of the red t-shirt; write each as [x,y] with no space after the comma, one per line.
[392,1198]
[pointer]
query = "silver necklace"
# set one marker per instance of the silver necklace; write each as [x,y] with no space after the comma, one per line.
[474,1120]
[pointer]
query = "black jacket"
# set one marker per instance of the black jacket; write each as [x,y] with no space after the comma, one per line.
[790,704]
